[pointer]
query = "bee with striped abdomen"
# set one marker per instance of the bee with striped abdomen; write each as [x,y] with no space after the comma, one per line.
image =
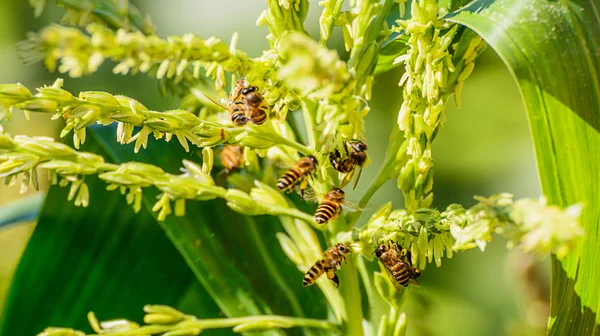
[232,157]
[397,261]
[298,173]
[331,206]
[248,101]
[355,157]
[245,104]
[331,263]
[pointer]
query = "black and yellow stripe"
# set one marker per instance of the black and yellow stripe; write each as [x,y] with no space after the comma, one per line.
[325,212]
[400,273]
[314,273]
[289,179]
[258,116]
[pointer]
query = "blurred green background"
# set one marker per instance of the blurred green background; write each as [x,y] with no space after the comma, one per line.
[483,148]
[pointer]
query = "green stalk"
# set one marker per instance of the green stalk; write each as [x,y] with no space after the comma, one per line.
[308,109]
[295,213]
[350,290]
[240,324]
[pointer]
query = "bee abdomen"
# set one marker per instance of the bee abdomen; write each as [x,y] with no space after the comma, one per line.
[325,212]
[259,118]
[288,179]
[313,273]
[400,273]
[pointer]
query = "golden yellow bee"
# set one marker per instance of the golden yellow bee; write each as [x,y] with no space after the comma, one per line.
[331,206]
[397,261]
[299,172]
[355,157]
[245,104]
[331,263]
[232,157]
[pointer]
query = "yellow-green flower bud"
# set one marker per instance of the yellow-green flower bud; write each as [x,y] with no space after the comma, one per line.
[39,105]
[103,99]
[267,196]
[258,326]
[242,203]
[56,94]
[126,179]
[6,142]
[183,332]
[140,168]
[14,91]
[158,318]
[61,332]
[253,140]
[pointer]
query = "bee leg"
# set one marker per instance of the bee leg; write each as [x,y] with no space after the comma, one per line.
[337,213]
[333,277]
[303,185]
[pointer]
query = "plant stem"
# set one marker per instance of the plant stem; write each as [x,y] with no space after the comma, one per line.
[295,213]
[351,293]
[350,289]
[191,322]
[309,122]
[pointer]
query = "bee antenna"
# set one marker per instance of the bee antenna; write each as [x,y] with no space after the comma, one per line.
[214,101]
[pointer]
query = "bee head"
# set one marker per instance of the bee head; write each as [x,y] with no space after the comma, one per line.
[240,85]
[381,249]
[249,89]
[358,146]
[313,159]
[417,272]
[337,194]
[343,248]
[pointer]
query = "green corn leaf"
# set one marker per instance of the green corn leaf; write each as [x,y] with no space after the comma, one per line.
[551,48]
[103,258]
[23,210]
[389,52]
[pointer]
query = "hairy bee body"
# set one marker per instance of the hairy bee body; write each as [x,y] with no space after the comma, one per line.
[330,206]
[355,157]
[237,105]
[232,157]
[247,104]
[303,168]
[397,262]
[332,262]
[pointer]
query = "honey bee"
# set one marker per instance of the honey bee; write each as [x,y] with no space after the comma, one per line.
[331,206]
[245,104]
[355,157]
[303,168]
[332,262]
[232,157]
[252,101]
[397,262]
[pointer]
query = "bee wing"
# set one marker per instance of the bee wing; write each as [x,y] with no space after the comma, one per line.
[398,286]
[351,206]
[309,195]
[414,282]
[346,179]
[357,177]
